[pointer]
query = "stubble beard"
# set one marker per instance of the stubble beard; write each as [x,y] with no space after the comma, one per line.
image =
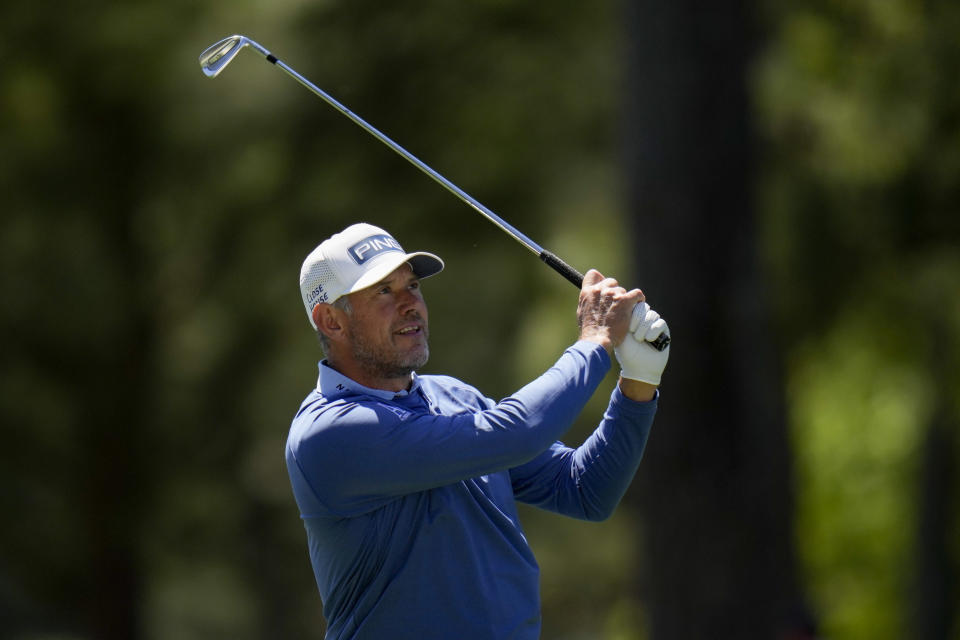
[380,362]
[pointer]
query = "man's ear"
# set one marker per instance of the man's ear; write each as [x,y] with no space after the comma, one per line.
[327,319]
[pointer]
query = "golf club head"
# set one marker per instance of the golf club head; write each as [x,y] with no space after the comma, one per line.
[219,55]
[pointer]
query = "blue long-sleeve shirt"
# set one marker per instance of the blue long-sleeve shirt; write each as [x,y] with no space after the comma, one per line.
[408,498]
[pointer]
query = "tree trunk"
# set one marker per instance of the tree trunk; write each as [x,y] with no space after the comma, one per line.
[935,595]
[715,488]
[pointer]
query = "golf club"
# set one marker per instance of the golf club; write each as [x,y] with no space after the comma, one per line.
[217,56]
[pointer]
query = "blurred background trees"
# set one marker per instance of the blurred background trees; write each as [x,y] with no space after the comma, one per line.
[155,347]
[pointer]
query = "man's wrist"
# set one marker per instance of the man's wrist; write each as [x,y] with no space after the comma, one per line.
[636,390]
[598,337]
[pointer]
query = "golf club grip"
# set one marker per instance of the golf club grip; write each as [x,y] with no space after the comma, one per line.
[561,267]
[574,276]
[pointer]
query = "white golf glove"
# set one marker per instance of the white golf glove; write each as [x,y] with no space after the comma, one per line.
[638,359]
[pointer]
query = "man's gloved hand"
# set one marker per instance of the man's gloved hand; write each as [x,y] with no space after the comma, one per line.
[638,359]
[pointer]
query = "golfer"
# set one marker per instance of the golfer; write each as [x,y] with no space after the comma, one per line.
[407,484]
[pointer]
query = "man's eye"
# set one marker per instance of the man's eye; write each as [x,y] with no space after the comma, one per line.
[384,290]
[415,285]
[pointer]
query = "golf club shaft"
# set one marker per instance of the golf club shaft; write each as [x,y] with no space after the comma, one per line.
[551,259]
[220,54]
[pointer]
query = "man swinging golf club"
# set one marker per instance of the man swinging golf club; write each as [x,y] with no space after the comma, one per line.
[407,484]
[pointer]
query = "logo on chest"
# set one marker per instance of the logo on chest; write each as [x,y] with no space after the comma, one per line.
[403,414]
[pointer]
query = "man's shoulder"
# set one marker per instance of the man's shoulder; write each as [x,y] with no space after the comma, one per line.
[318,414]
[434,381]
[450,388]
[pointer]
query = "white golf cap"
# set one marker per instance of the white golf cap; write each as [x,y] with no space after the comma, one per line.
[358,257]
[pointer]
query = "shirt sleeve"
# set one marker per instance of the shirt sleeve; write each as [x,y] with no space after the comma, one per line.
[589,481]
[353,457]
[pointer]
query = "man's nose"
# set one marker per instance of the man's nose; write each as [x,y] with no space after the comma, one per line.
[408,300]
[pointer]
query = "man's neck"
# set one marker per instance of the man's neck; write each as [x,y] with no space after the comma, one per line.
[371,380]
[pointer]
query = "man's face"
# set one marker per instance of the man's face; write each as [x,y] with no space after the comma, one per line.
[388,326]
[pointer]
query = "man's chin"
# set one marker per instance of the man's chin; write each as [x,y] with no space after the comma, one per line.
[399,368]
[419,360]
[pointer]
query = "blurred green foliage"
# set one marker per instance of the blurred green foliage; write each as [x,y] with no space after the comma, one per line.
[155,346]
[860,111]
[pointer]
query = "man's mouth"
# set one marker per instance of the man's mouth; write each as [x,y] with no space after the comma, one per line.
[412,329]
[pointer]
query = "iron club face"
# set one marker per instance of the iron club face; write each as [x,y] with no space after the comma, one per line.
[219,55]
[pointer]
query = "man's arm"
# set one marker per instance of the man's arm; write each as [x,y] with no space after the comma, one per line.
[354,456]
[588,482]
[637,390]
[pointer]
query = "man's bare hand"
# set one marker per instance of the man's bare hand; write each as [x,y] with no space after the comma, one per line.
[604,310]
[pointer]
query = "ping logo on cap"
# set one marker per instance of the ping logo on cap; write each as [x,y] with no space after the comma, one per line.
[372,247]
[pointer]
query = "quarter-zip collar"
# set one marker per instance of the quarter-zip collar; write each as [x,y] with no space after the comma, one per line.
[332,384]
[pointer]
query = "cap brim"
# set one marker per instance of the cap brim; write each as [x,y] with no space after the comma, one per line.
[423,264]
